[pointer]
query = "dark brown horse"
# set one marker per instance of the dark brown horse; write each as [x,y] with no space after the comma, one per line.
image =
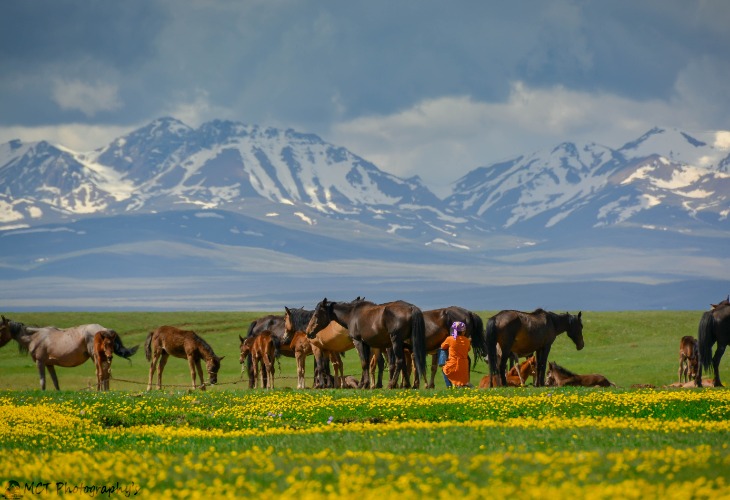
[714,327]
[559,376]
[169,341]
[524,333]
[688,348]
[438,324]
[391,325]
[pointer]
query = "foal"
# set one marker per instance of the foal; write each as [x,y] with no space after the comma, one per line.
[688,349]
[262,350]
[103,354]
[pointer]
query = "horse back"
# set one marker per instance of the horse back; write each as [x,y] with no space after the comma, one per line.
[175,341]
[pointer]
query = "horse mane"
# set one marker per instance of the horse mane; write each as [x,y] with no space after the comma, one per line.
[16,328]
[563,370]
[299,318]
[204,346]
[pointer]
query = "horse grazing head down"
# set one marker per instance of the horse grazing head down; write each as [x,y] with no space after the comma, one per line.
[575,330]
[5,333]
[212,365]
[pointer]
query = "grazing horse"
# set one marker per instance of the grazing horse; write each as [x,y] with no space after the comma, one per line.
[438,326]
[559,376]
[327,345]
[103,354]
[169,340]
[390,325]
[50,346]
[688,348]
[516,376]
[261,349]
[714,327]
[524,333]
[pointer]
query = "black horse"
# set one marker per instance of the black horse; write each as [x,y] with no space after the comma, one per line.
[714,327]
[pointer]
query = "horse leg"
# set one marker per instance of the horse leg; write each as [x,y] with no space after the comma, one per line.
[301,359]
[153,365]
[200,374]
[400,363]
[54,378]
[434,369]
[161,367]
[364,351]
[271,369]
[339,367]
[373,365]
[542,359]
[715,364]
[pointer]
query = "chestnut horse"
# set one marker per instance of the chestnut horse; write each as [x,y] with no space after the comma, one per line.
[169,340]
[50,346]
[559,376]
[390,325]
[688,348]
[326,346]
[516,377]
[714,327]
[261,349]
[524,333]
[103,354]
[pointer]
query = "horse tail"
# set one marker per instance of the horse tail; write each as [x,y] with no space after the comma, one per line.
[418,340]
[120,350]
[705,339]
[478,337]
[148,347]
[490,338]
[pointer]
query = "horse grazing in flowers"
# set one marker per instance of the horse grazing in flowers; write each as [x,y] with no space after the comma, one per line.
[559,376]
[688,353]
[103,354]
[50,346]
[524,333]
[714,327]
[169,341]
[262,351]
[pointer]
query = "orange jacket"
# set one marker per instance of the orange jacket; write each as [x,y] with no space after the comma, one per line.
[457,366]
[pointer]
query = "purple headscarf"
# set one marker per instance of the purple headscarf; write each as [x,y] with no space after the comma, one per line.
[457,326]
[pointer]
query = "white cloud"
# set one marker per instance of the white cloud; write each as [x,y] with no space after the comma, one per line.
[77,136]
[443,139]
[89,98]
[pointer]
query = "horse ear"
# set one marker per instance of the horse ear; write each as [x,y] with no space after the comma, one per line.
[221,359]
[580,313]
[240,338]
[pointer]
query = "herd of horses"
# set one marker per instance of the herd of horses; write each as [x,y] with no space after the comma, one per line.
[398,332]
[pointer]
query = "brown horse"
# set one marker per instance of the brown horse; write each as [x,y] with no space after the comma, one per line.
[559,376]
[524,333]
[516,377]
[438,324]
[261,349]
[169,341]
[50,346]
[327,345]
[714,327]
[688,348]
[390,325]
[103,354]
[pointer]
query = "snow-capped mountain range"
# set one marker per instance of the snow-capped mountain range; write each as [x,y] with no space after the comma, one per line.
[227,188]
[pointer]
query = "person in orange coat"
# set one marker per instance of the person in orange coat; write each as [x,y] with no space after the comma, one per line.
[457,366]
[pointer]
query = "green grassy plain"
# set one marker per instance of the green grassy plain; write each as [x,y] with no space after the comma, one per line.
[636,347]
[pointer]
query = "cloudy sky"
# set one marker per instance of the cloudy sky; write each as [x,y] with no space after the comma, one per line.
[427,88]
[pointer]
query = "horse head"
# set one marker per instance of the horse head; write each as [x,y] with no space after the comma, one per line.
[213,364]
[575,330]
[245,348]
[320,319]
[725,302]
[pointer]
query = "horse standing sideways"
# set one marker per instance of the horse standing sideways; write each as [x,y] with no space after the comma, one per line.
[390,325]
[688,348]
[103,355]
[524,333]
[262,351]
[559,376]
[714,327]
[169,340]
[50,346]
